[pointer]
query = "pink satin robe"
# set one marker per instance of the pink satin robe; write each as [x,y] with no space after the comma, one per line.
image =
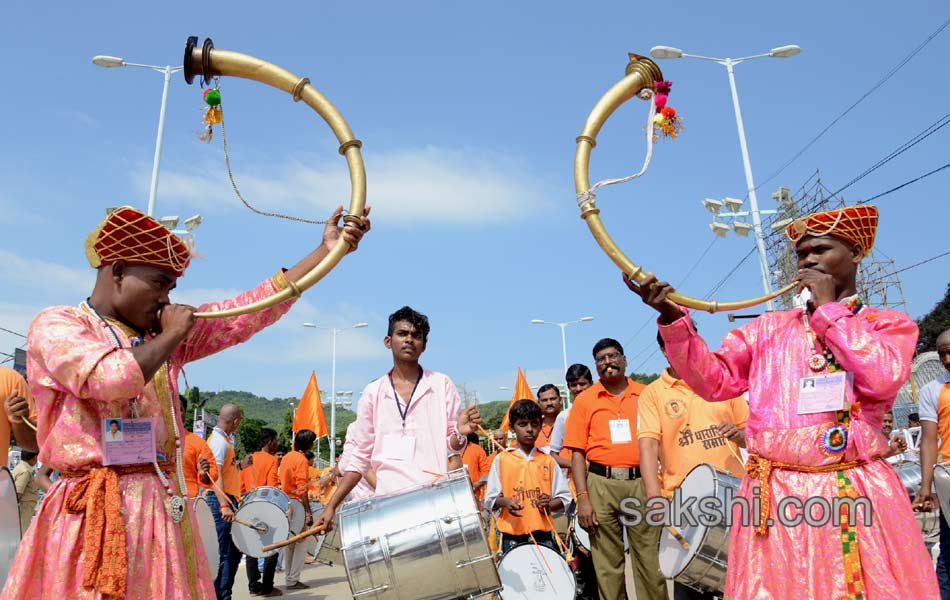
[78,378]
[768,357]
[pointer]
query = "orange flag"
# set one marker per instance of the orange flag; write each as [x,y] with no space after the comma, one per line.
[522,392]
[309,413]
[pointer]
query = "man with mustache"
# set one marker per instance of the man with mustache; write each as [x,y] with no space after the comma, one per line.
[408,421]
[125,530]
[601,432]
[823,444]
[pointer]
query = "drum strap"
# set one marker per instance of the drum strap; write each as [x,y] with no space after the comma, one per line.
[96,496]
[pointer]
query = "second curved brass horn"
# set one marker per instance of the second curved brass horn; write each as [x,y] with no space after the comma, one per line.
[208,62]
[641,73]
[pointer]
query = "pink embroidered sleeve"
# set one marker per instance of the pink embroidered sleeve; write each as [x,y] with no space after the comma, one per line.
[210,336]
[875,346]
[716,376]
[69,357]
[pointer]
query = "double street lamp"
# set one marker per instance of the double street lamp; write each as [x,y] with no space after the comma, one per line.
[563,325]
[720,228]
[112,62]
[333,393]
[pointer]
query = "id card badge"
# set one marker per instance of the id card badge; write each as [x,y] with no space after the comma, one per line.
[128,441]
[825,393]
[620,431]
[398,447]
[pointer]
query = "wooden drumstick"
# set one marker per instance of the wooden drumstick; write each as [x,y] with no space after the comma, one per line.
[254,527]
[679,538]
[293,540]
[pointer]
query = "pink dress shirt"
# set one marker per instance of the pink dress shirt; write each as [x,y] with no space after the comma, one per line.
[431,418]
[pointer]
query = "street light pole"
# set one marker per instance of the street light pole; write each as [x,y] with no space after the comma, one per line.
[334,331]
[729,63]
[563,325]
[167,70]
[750,186]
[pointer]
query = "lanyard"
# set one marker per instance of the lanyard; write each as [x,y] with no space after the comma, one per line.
[403,413]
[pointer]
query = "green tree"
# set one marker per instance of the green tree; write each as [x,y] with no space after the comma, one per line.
[933,324]
[644,378]
[248,434]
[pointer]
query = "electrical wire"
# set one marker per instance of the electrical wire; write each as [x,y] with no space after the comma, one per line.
[877,85]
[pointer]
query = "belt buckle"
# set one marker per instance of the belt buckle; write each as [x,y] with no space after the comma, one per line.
[621,473]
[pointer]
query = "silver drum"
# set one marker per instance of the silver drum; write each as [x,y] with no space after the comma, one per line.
[703,566]
[427,543]
[9,523]
[909,472]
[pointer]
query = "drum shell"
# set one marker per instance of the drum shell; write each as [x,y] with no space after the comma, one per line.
[10,534]
[524,574]
[426,543]
[703,566]
[297,516]
[910,475]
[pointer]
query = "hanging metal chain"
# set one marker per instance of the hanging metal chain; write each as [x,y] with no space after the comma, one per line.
[227,161]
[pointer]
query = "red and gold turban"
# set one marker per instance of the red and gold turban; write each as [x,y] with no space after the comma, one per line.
[131,235]
[854,224]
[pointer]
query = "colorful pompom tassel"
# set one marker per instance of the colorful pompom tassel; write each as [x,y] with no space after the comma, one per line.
[213,115]
[665,119]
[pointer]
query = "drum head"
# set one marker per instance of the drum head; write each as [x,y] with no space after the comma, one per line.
[9,523]
[271,517]
[699,483]
[208,533]
[529,571]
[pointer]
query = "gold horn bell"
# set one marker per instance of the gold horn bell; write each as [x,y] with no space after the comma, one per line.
[641,73]
[207,62]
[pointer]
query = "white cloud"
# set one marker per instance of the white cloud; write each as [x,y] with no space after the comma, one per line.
[428,184]
[28,274]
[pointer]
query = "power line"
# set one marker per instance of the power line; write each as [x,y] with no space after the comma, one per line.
[923,262]
[927,132]
[881,82]
[906,183]
[13,332]
[682,281]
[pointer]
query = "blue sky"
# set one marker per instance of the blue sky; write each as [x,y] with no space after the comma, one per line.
[468,114]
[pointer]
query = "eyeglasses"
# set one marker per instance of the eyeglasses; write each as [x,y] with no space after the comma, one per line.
[607,357]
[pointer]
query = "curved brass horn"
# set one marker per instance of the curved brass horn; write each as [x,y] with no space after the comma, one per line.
[641,73]
[208,62]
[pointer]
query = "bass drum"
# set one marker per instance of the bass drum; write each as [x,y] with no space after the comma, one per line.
[330,552]
[9,523]
[208,533]
[528,572]
[266,509]
[703,566]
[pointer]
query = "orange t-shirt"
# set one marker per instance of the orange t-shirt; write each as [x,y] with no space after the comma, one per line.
[247,480]
[264,469]
[588,425]
[11,380]
[685,425]
[476,460]
[294,474]
[943,422]
[526,479]
[195,448]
